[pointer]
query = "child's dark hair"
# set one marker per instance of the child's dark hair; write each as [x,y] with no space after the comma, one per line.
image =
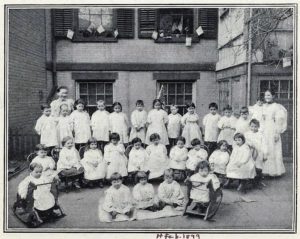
[65,139]
[195,142]
[39,147]
[239,136]
[260,98]
[213,105]
[255,121]
[114,136]
[221,142]
[61,88]
[115,176]
[169,171]
[244,109]
[156,101]
[227,107]
[89,142]
[201,165]
[141,175]
[45,106]
[79,101]
[173,106]
[180,138]
[154,137]
[139,102]
[190,104]
[136,140]
[117,104]
[32,166]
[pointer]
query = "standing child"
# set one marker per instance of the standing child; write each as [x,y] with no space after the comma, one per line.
[211,130]
[241,165]
[256,141]
[195,155]
[143,193]
[68,164]
[157,157]
[119,123]
[169,192]
[93,164]
[100,125]
[62,93]
[138,121]
[227,126]
[219,160]
[256,111]
[81,124]
[190,122]
[178,157]
[118,200]
[45,127]
[242,124]
[156,123]
[65,125]
[174,125]
[137,158]
[114,156]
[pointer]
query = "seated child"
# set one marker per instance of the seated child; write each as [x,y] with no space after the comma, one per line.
[47,162]
[44,202]
[143,193]
[219,160]
[68,164]
[200,184]
[93,163]
[118,199]
[169,192]
[178,157]
[195,155]
[137,158]
[241,165]
[157,160]
[114,156]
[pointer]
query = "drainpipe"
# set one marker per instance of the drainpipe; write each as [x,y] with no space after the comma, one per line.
[249,58]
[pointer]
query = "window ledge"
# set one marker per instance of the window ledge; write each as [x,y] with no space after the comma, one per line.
[174,39]
[79,38]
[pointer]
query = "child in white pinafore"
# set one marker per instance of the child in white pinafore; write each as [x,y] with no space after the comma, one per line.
[64,125]
[93,163]
[62,93]
[242,124]
[174,125]
[45,127]
[256,111]
[227,126]
[190,122]
[119,123]
[114,156]
[138,121]
[156,122]
[47,162]
[219,160]
[241,165]
[178,157]
[137,158]
[81,124]
[143,193]
[257,144]
[169,192]
[100,125]
[157,157]
[195,155]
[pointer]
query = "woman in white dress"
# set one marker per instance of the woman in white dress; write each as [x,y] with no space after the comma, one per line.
[156,121]
[275,123]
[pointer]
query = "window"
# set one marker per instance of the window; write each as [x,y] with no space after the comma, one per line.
[283,88]
[91,92]
[178,93]
[223,94]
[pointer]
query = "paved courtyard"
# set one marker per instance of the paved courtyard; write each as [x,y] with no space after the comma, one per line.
[268,208]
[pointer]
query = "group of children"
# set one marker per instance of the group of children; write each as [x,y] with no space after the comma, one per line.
[232,149]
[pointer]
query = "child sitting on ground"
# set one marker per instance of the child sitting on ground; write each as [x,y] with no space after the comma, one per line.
[118,199]
[169,192]
[143,193]
[93,163]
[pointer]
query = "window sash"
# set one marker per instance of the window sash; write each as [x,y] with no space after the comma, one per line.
[277,86]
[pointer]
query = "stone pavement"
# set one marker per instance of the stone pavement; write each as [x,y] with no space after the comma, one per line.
[268,208]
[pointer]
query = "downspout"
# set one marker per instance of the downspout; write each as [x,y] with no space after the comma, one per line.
[249,57]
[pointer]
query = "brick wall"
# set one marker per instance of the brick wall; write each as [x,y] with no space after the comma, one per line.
[27,78]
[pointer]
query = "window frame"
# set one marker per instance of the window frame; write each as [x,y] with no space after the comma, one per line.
[278,91]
